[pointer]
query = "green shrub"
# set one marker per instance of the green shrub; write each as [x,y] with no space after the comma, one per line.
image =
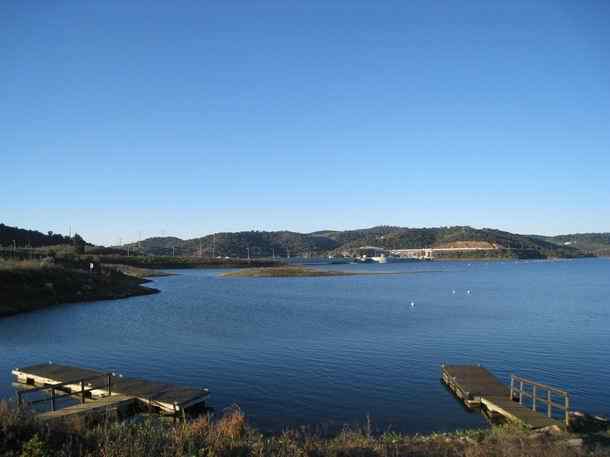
[34,447]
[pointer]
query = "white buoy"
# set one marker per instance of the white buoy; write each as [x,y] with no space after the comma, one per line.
[412,304]
[468,291]
[453,291]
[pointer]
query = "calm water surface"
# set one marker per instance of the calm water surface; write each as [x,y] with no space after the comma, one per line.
[329,351]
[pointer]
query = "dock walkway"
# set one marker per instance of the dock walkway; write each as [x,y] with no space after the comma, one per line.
[114,404]
[166,398]
[476,386]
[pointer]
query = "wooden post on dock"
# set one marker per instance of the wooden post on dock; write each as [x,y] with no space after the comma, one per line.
[82,391]
[534,397]
[52,399]
[109,383]
[520,392]
[472,384]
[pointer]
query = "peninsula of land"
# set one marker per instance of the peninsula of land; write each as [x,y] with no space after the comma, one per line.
[285,272]
[30,285]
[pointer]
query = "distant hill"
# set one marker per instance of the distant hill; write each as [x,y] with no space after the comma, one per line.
[591,243]
[283,243]
[409,238]
[237,244]
[336,242]
[157,245]
[30,238]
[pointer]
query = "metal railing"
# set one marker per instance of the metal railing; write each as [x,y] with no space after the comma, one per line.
[518,390]
[63,387]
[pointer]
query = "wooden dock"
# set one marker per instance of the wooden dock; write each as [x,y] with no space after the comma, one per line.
[116,406]
[96,389]
[477,387]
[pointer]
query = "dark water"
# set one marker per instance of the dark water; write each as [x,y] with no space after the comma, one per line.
[329,351]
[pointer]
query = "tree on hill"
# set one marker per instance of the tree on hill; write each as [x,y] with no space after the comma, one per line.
[30,238]
[79,244]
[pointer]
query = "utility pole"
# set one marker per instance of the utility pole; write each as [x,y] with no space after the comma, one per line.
[248,248]
[273,253]
[200,249]
[287,253]
[174,251]
[213,245]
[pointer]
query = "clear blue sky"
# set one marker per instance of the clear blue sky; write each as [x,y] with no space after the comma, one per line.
[187,118]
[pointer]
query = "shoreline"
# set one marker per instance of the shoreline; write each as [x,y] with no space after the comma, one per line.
[33,288]
[306,272]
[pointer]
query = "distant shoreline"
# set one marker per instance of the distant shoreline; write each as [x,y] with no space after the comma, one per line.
[303,272]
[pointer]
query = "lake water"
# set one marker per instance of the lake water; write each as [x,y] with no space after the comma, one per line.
[329,351]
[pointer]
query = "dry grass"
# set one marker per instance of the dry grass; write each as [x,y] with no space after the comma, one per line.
[136,272]
[230,436]
[10,264]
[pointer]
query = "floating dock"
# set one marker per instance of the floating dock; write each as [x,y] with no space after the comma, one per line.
[97,389]
[478,387]
[117,406]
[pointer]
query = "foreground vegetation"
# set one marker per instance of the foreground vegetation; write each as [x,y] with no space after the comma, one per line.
[231,436]
[35,284]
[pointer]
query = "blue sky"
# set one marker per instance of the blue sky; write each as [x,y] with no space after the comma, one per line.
[187,118]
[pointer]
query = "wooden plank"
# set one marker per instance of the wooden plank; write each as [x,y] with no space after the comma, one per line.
[515,412]
[167,397]
[104,405]
[476,385]
[475,381]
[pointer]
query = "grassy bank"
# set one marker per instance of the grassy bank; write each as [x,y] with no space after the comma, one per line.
[302,272]
[30,285]
[231,436]
[284,272]
[136,272]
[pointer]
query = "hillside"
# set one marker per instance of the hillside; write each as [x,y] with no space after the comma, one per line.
[591,243]
[30,238]
[237,244]
[512,245]
[284,243]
